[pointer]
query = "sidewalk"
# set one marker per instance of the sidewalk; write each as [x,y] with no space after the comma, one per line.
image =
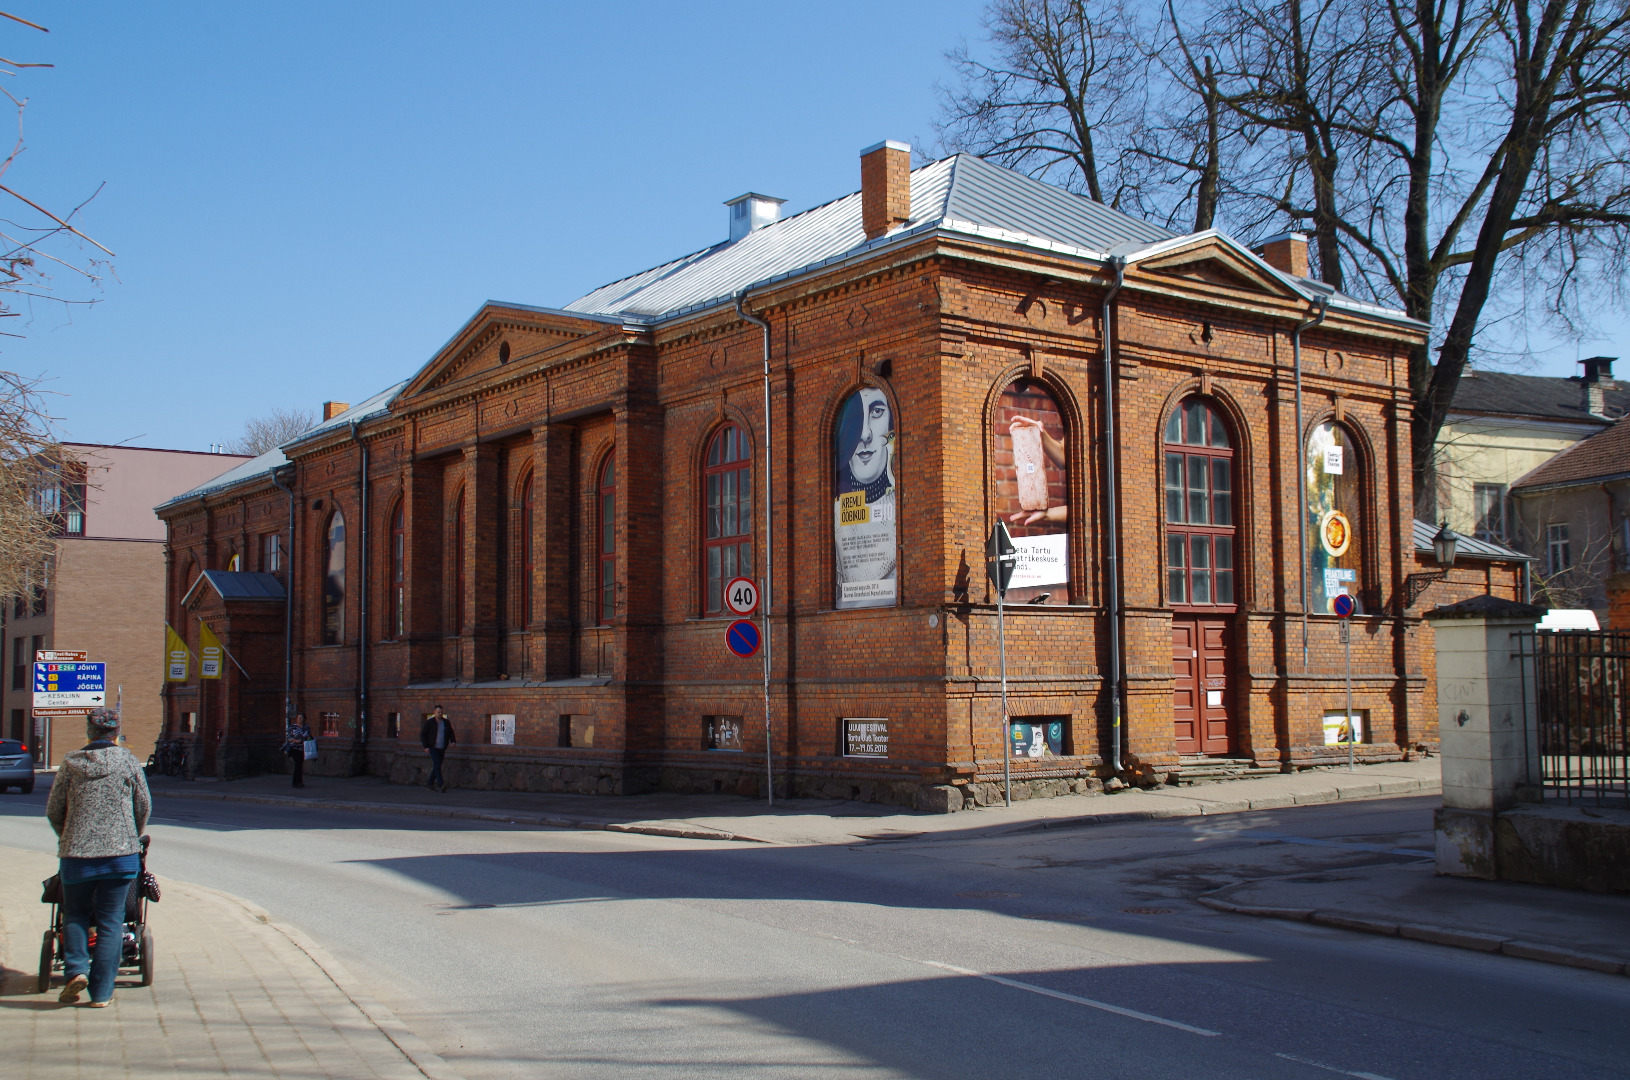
[1534,922]
[812,821]
[234,994]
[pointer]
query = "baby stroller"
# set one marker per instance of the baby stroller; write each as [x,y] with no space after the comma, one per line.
[138,939]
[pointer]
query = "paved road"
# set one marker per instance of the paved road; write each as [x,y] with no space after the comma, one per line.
[1057,953]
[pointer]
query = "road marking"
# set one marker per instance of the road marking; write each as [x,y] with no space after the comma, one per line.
[1061,996]
[1332,1068]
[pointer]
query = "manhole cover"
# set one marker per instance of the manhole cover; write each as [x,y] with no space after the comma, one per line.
[1147,910]
[988,894]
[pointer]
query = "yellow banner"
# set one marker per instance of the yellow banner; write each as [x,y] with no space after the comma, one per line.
[210,653]
[175,656]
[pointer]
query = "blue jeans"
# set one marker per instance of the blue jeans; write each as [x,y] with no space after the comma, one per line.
[435,766]
[101,902]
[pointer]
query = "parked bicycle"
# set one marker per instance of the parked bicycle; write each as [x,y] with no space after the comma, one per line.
[169,758]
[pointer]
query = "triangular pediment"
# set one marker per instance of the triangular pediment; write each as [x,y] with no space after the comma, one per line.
[499,336]
[1214,262]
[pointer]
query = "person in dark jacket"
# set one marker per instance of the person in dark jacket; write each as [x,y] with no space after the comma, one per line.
[98,806]
[294,745]
[436,736]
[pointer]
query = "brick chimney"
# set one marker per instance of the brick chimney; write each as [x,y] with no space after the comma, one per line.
[1286,253]
[1597,381]
[332,409]
[885,187]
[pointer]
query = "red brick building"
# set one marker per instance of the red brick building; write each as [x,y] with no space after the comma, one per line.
[536,529]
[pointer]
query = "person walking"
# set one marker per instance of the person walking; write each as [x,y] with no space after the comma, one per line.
[98,806]
[436,736]
[294,745]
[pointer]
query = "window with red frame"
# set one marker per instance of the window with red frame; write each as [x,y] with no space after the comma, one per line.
[396,627]
[727,545]
[526,553]
[608,539]
[1199,490]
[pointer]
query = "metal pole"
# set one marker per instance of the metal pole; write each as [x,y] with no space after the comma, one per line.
[1352,730]
[769,562]
[1007,723]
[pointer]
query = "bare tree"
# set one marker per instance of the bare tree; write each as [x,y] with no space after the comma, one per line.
[262,433]
[1466,160]
[42,258]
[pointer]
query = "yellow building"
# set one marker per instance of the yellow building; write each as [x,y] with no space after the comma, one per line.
[1501,427]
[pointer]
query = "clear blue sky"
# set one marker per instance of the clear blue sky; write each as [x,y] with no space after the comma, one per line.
[306,200]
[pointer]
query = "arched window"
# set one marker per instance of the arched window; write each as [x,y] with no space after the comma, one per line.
[396,625]
[334,580]
[607,529]
[727,545]
[1334,520]
[458,564]
[1199,487]
[526,553]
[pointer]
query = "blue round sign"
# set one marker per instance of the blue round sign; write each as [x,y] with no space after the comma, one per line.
[742,638]
[1343,605]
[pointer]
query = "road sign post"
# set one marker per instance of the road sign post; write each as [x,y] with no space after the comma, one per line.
[1001,556]
[1344,606]
[73,685]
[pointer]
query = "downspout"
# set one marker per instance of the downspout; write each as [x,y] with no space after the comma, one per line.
[769,562]
[359,743]
[288,608]
[1113,596]
[1322,304]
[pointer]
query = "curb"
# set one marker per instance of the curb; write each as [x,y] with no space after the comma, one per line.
[1437,935]
[429,1063]
[467,814]
[1196,808]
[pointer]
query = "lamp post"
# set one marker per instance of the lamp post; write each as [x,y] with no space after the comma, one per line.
[1444,546]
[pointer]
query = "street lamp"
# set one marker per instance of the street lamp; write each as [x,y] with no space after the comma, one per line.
[1444,546]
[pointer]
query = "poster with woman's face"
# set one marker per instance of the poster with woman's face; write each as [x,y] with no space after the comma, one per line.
[1032,490]
[863,514]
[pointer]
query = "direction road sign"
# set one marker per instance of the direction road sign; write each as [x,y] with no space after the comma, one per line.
[1343,605]
[47,656]
[742,638]
[70,685]
[741,597]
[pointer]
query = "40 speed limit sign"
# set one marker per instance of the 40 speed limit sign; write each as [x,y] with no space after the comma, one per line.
[741,597]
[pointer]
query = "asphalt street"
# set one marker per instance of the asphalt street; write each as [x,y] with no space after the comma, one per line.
[1062,952]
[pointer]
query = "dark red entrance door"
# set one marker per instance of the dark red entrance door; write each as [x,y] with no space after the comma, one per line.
[1200,691]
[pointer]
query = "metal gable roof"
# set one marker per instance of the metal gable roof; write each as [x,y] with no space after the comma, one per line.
[961,193]
[1543,397]
[1425,531]
[238,585]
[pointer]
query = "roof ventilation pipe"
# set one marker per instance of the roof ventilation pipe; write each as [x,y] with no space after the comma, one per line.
[885,187]
[751,212]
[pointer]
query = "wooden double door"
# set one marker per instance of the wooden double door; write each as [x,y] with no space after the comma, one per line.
[1201,665]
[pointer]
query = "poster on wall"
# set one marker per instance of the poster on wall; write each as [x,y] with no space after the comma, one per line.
[503,729]
[1039,739]
[866,736]
[863,513]
[1031,491]
[1332,503]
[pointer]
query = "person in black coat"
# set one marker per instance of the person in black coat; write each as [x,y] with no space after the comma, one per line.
[294,745]
[436,736]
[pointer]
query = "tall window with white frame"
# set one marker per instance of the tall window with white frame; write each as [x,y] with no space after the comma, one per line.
[1558,548]
[1199,489]
[1488,504]
[728,533]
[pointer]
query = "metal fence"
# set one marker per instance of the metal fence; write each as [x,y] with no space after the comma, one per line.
[1581,693]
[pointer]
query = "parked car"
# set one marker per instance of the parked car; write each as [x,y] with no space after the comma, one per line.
[16,766]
